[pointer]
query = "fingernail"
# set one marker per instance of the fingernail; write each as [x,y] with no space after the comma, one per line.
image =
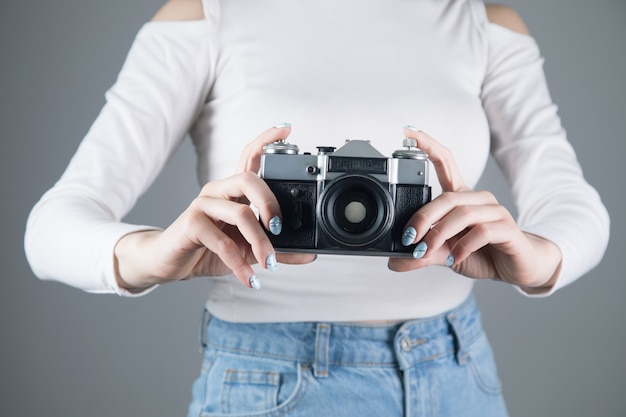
[255,283]
[411,127]
[408,236]
[281,125]
[276,225]
[420,250]
[450,260]
[270,261]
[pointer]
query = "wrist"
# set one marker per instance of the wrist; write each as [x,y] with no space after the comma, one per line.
[131,272]
[549,259]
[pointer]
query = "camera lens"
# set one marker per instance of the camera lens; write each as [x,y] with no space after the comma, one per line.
[356,211]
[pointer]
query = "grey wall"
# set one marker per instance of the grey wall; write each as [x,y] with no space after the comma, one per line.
[66,353]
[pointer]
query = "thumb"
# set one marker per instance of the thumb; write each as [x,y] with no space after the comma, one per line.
[250,159]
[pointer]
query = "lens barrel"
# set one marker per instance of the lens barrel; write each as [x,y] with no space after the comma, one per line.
[355,211]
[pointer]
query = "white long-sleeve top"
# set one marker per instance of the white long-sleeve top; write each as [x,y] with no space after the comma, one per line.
[336,70]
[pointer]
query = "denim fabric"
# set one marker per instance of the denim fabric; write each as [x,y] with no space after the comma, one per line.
[441,366]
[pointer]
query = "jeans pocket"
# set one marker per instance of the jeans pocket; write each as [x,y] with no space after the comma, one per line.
[483,366]
[247,391]
[238,384]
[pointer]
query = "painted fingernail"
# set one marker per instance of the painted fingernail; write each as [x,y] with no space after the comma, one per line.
[270,261]
[408,236]
[420,250]
[411,127]
[255,283]
[281,125]
[276,225]
[450,260]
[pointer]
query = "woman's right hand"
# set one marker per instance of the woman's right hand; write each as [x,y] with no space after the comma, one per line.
[217,234]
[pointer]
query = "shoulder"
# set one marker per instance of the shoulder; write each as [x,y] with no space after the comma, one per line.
[506,17]
[180,10]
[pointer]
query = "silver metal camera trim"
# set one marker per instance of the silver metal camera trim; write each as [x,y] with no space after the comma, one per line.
[410,166]
[289,167]
[407,171]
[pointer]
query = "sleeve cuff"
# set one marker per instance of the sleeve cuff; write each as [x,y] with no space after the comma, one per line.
[120,231]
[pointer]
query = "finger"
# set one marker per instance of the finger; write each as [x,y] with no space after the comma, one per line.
[248,185]
[211,237]
[441,158]
[500,233]
[250,159]
[296,258]
[410,264]
[459,220]
[407,264]
[245,220]
[432,213]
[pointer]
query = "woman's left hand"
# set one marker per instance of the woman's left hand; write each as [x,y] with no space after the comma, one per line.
[470,232]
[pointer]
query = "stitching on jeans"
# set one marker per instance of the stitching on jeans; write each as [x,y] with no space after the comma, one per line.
[395,365]
[311,360]
[262,354]
[321,350]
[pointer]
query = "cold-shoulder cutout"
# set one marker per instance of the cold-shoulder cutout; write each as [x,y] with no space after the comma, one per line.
[507,17]
[180,10]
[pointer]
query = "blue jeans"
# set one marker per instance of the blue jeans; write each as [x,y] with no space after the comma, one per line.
[440,366]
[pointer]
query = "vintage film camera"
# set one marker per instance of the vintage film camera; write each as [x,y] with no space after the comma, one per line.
[352,200]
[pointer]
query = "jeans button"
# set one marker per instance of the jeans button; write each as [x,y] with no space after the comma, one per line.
[406,344]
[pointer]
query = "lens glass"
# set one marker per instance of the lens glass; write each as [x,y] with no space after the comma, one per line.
[355,212]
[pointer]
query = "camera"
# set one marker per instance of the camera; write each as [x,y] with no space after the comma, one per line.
[351,200]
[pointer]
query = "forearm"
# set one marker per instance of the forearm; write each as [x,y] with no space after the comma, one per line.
[70,239]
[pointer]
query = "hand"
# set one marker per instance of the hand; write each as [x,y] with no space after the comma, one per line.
[250,161]
[470,232]
[217,234]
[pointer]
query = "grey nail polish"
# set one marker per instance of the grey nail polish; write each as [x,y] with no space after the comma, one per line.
[408,236]
[420,250]
[255,283]
[276,225]
[281,125]
[411,127]
[270,261]
[450,260]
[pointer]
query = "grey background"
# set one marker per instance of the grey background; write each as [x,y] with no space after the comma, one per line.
[67,353]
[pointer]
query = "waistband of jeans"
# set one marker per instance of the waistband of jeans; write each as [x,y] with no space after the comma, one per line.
[326,344]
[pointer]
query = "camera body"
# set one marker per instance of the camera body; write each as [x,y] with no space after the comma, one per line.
[352,200]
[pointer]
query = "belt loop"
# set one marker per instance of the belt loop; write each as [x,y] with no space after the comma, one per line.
[205,317]
[322,340]
[459,339]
